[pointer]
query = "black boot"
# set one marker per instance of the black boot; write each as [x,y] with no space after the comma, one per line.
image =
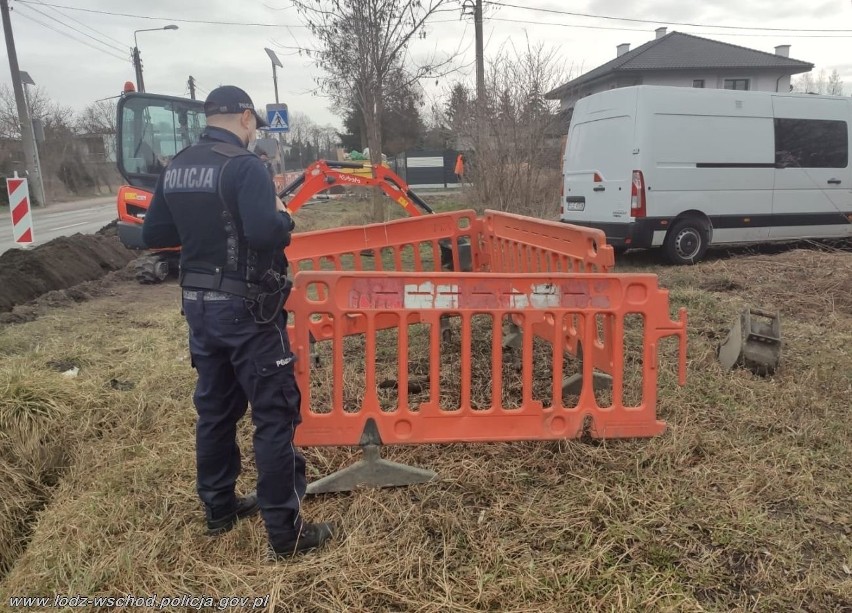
[311,536]
[246,507]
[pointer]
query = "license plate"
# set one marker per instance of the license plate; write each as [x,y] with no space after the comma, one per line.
[575,204]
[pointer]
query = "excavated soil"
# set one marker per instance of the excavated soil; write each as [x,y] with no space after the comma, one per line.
[58,265]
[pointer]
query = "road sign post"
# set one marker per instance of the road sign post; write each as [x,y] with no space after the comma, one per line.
[19,205]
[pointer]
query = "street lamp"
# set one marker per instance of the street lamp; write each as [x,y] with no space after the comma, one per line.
[137,61]
[275,62]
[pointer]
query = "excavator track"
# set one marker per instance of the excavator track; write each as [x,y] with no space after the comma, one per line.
[151,269]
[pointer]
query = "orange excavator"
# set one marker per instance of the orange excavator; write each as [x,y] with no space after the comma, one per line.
[152,128]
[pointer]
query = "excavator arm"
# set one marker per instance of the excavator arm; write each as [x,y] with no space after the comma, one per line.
[323,174]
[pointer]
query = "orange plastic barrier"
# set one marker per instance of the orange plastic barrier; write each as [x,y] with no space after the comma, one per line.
[513,243]
[393,316]
[280,182]
[404,245]
[424,298]
[497,242]
[416,245]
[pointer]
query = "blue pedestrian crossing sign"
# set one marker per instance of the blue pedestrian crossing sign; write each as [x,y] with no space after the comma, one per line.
[277,118]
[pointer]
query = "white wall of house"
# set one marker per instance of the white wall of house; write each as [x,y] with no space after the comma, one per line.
[758,81]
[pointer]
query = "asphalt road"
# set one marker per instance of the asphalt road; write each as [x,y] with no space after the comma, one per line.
[65,219]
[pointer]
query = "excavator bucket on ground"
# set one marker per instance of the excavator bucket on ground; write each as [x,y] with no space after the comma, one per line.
[754,342]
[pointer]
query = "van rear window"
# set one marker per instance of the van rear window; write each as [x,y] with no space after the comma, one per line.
[811,143]
[603,145]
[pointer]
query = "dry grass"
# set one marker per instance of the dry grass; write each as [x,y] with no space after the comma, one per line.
[744,504]
[354,209]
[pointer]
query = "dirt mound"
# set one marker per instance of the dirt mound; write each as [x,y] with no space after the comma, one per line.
[57,265]
[61,298]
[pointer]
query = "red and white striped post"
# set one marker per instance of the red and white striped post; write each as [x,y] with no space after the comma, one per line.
[19,205]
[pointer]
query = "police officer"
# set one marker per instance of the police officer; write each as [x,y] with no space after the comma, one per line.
[216,200]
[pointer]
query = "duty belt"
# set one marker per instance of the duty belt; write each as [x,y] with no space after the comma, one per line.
[206,295]
[218,283]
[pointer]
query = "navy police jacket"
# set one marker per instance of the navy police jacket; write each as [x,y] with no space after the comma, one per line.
[216,200]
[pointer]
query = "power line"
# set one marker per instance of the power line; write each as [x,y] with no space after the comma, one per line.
[275,43]
[218,23]
[70,27]
[107,36]
[50,27]
[272,8]
[646,30]
[293,36]
[298,49]
[652,21]
[180,20]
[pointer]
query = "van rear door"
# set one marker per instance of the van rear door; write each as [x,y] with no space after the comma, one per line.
[598,166]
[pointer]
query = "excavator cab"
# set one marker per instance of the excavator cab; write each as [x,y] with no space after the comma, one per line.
[151,130]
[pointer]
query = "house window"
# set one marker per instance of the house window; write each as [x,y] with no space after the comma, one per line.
[741,84]
[698,83]
[811,143]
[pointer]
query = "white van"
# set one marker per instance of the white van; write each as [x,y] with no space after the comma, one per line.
[684,168]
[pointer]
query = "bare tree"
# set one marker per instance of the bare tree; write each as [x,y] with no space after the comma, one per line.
[803,83]
[71,163]
[54,117]
[835,84]
[306,136]
[819,83]
[363,49]
[300,126]
[514,165]
[328,140]
[98,118]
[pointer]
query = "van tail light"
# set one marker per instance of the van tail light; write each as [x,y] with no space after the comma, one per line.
[598,178]
[637,195]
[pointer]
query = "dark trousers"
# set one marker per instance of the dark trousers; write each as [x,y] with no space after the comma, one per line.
[240,362]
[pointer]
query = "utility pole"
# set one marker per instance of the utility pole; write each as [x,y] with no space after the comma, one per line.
[480,55]
[23,112]
[474,7]
[137,64]
[191,84]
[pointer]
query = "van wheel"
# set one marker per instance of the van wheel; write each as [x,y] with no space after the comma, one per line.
[687,241]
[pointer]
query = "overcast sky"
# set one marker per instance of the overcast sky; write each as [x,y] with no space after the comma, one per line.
[77,74]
